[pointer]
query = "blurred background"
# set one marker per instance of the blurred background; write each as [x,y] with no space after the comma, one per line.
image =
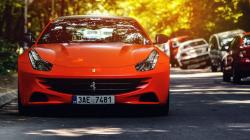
[195,18]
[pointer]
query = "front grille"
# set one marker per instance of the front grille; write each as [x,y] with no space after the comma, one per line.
[93,86]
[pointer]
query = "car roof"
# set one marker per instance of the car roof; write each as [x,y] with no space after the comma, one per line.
[193,40]
[247,33]
[238,31]
[94,16]
[244,34]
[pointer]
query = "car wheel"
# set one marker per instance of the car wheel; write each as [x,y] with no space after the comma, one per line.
[226,76]
[22,109]
[222,67]
[163,109]
[214,68]
[236,76]
[175,63]
[183,67]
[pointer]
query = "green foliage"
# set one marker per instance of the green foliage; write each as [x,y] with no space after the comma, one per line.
[172,17]
[198,18]
[8,57]
[158,16]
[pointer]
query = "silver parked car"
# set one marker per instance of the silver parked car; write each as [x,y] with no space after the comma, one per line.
[218,46]
[193,54]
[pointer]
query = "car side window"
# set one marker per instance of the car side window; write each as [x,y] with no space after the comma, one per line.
[214,45]
[235,44]
[231,45]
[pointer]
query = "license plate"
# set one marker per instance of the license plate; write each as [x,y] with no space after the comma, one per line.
[198,51]
[93,99]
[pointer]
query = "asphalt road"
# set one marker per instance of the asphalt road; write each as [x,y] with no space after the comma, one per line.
[202,107]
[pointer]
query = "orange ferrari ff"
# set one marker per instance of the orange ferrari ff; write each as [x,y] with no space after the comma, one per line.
[93,60]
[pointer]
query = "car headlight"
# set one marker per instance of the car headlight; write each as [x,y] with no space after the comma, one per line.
[149,63]
[38,63]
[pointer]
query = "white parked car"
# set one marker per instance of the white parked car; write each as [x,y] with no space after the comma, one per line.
[193,54]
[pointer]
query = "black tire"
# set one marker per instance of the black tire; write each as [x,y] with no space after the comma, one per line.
[214,68]
[174,63]
[226,77]
[164,109]
[22,109]
[222,66]
[183,67]
[236,76]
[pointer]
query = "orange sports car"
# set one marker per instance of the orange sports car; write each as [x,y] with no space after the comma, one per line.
[93,60]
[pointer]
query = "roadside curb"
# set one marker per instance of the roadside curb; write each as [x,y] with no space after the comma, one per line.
[7,97]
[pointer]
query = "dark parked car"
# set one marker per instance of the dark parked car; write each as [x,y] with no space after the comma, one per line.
[218,46]
[236,64]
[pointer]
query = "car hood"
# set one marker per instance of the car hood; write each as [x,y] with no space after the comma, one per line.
[93,54]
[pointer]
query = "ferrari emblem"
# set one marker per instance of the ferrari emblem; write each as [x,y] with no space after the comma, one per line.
[93,86]
[93,70]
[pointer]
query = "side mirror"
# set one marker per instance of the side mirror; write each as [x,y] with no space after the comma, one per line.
[29,40]
[175,45]
[160,39]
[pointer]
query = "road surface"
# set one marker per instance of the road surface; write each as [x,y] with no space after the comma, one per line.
[202,108]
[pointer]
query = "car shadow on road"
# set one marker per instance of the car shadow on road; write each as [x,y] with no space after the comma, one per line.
[209,111]
[63,111]
[245,82]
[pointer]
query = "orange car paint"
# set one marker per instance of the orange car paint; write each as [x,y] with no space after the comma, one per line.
[92,60]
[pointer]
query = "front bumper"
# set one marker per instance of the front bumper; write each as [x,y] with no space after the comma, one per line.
[30,83]
[195,60]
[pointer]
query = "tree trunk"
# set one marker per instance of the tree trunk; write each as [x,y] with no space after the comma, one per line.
[8,20]
[62,7]
[19,28]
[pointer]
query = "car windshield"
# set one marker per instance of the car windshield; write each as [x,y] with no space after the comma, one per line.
[246,40]
[94,30]
[177,41]
[225,40]
[197,43]
[194,43]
